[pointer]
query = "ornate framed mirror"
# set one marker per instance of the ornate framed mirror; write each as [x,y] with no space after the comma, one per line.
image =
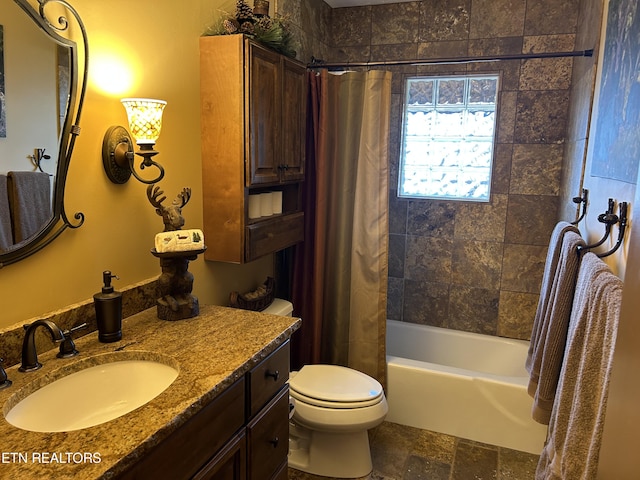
[43,74]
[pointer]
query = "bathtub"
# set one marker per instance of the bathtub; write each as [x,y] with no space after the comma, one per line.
[463,384]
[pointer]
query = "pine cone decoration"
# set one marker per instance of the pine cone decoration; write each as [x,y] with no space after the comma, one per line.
[247,27]
[230,26]
[264,24]
[243,11]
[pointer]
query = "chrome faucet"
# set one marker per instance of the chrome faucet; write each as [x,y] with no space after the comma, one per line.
[29,354]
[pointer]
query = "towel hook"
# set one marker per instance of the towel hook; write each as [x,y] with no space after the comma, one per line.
[584,199]
[609,219]
[621,229]
[37,158]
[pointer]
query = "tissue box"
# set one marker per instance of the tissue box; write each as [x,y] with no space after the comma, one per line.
[179,241]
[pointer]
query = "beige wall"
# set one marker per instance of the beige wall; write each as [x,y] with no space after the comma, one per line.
[160,51]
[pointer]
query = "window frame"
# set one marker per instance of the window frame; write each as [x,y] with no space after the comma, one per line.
[467,77]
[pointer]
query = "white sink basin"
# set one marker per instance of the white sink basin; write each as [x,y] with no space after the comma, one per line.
[91,396]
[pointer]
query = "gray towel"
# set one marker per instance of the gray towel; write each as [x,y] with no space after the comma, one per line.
[577,419]
[6,234]
[547,358]
[550,267]
[30,202]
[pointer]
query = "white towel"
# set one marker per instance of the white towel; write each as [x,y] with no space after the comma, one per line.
[575,430]
[546,360]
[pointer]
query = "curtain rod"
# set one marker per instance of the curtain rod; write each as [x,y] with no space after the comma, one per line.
[317,63]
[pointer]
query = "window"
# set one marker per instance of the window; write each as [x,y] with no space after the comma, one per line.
[447,137]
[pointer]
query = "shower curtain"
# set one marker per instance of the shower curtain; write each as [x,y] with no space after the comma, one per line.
[340,273]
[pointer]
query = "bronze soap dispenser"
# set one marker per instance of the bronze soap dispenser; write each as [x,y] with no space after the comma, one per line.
[108,304]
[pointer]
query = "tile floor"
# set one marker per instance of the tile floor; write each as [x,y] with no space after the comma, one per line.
[407,453]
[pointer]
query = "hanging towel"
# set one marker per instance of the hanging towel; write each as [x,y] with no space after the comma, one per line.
[6,234]
[575,429]
[549,274]
[547,358]
[30,202]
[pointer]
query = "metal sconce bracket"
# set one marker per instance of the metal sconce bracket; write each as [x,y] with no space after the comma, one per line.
[118,156]
[116,145]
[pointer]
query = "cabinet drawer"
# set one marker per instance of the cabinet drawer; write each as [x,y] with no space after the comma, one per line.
[268,438]
[183,453]
[274,234]
[267,378]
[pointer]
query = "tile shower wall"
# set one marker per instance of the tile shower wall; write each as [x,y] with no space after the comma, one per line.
[582,95]
[463,265]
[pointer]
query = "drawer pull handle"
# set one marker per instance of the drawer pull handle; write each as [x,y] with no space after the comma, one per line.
[275,375]
[274,442]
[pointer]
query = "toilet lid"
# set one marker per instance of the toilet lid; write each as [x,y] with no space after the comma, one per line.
[326,384]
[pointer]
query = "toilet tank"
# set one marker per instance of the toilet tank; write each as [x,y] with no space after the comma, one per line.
[280,307]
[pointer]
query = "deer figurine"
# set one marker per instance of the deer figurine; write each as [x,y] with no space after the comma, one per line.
[171,215]
[175,300]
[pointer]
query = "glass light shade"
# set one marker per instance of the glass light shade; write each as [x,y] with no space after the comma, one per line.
[145,118]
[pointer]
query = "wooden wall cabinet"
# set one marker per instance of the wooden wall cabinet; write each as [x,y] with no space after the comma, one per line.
[253,120]
[243,434]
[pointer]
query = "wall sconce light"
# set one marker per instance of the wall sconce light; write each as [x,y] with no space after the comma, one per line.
[145,121]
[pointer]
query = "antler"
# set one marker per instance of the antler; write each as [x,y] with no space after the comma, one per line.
[183,198]
[153,192]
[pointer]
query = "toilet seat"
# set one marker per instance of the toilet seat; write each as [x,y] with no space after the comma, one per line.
[333,386]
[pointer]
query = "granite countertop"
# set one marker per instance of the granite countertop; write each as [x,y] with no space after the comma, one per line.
[211,351]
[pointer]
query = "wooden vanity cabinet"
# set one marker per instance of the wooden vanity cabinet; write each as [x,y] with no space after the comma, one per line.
[183,453]
[253,120]
[242,434]
[267,404]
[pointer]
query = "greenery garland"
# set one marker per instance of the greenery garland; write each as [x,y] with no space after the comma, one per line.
[271,32]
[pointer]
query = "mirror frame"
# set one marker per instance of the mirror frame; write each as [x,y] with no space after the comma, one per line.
[78,55]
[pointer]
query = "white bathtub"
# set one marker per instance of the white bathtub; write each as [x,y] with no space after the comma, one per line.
[463,384]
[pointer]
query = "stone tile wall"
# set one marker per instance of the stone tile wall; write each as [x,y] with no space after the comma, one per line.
[309,21]
[463,265]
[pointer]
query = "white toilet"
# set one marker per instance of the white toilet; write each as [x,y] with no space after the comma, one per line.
[334,407]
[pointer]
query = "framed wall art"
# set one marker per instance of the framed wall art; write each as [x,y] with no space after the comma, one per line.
[616,139]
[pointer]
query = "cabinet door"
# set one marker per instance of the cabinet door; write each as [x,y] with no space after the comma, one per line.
[268,438]
[229,464]
[294,103]
[263,105]
[182,454]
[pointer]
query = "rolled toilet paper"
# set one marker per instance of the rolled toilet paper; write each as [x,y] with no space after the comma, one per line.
[276,202]
[266,204]
[254,206]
